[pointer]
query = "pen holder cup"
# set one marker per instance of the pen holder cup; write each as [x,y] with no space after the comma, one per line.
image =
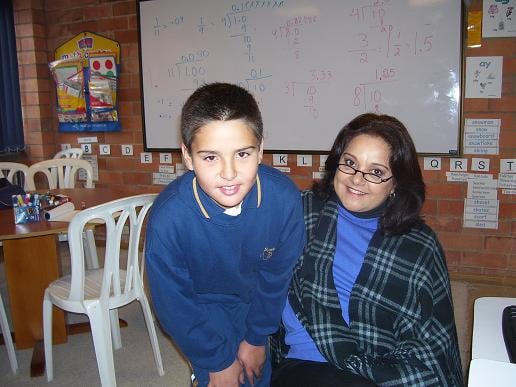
[26,208]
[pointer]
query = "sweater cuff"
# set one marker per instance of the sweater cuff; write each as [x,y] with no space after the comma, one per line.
[223,365]
[255,339]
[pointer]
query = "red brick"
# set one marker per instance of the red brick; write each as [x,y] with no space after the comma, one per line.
[502,272]
[29,16]
[127,36]
[469,270]
[452,258]
[498,244]
[444,223]
[23,16]
[505,104]
[137,178]
[27,4]
[133,22]
[508,139]
[450,207]
[468,250]
[486,260]
[111,176]
[497,47]
[132,123]
[120,138]
[447,191]
[124,8]
[77,28]
[59,4]
[507,210]
[129,51]
[512,261]
[429,207]
[59,30]
[24,30]
[130,65]
[33,138]
[509,65]
[460,241]
[35,98]
[475,104]
[26,57]
[129,94]
[36,111]
[97,11]
[115,23]
[121,163]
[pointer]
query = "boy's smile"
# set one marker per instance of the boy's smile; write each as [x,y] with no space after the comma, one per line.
[225,157]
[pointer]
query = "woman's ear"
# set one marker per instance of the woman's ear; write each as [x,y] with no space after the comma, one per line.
[186,157]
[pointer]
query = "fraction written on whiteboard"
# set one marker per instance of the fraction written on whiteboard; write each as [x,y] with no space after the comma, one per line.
[311,67]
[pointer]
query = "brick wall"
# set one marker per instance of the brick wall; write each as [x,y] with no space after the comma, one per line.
[41,26]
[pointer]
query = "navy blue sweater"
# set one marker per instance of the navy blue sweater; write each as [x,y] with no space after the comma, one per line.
[217,279]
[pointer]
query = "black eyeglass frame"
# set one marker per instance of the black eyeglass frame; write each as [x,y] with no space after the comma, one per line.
[365,175]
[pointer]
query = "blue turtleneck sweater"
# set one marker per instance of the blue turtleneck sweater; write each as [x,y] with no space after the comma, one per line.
[354,231]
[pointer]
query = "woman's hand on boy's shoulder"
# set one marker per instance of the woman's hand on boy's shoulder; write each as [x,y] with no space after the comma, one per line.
[252,358]
[233,376]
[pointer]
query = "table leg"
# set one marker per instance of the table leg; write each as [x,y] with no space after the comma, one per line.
[31,264]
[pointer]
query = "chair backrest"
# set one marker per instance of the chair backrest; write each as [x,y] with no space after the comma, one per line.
[70,153]
[14,172]
[121,273]
[60,173]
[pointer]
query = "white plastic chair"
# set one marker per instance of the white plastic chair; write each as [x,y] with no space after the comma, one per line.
[72,153]
[6,332]
[98,293]
[11,170]
[60,173]
[56,173]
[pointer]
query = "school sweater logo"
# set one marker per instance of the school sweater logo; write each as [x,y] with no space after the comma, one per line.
[267,253]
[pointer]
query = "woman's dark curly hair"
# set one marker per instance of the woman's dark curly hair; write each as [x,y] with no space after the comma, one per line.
[402,209]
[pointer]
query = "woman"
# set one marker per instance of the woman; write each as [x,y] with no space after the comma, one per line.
[370,300]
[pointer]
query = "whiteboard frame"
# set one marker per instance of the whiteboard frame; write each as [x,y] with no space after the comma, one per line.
[459,61]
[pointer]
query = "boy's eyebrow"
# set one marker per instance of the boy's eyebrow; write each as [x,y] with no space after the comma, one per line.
[250,147]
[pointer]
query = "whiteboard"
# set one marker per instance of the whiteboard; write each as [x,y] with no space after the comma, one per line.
[311,65]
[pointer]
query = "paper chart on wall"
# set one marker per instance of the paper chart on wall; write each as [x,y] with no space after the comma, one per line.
[499,18]
[484,77]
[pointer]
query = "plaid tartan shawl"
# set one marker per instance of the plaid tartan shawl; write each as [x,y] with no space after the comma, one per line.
[402,329]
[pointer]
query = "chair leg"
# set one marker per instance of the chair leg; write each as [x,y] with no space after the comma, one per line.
[149,321]
[115,329]
[90,249]
[101,332]
[6,332]
[47,336]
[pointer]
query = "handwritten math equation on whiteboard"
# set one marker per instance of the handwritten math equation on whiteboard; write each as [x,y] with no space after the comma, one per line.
[311,67]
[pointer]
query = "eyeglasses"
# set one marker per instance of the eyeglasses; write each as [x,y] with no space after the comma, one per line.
[370,177]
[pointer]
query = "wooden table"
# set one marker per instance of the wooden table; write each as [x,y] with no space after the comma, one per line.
[32,262]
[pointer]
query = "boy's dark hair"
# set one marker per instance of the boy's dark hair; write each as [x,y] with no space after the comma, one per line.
[219,102]
[403,209]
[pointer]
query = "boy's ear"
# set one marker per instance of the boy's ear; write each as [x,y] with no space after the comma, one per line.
[260,152]
[186,157]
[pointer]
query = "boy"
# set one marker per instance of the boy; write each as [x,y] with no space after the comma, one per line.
[222,240]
